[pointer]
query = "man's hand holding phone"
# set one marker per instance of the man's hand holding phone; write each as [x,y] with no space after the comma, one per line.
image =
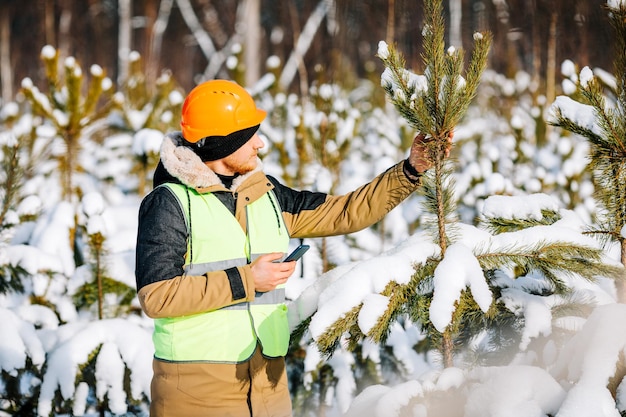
[269,271]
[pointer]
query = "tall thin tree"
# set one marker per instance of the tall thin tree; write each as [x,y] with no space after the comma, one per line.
[600,117]
[433,104]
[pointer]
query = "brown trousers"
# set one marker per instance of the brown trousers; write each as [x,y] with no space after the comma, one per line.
[256,388]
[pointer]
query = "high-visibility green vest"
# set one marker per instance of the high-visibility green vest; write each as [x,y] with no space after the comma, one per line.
[217,242]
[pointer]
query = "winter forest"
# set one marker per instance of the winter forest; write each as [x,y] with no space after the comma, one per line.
[495,290]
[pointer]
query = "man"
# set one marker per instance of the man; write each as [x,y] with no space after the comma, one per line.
[210,239]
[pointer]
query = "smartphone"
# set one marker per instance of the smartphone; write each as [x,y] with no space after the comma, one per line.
[297,253]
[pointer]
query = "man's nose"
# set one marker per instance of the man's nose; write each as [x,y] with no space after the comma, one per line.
[258,142]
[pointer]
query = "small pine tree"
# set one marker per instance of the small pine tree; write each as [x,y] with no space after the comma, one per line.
[67,110]
[433,103]
[96,291]
[147,106]
[11,180]
[142,106]
[600,117]
[112,298]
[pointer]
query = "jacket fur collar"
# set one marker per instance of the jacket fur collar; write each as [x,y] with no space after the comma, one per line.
[183,164]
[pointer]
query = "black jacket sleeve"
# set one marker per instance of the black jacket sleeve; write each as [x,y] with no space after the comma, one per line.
[161,238]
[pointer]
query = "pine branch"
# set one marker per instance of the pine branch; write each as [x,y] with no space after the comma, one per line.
[434,60]
[418,294]
[566,123]
[328,342]
[603,233]
[573,304]
[50,58]
[298,333]
[12,278]
[12,179]
[402,298]
[94,92]
[477,64]
[613,140]
[498,225]
[73,81]
[398,297]
[552,259]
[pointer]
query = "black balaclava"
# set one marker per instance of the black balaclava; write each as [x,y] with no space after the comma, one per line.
[212,148]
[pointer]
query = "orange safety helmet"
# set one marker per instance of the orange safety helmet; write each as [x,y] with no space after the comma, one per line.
[218,108]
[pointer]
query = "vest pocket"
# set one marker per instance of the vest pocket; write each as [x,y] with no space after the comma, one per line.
[218,336]
[272,327]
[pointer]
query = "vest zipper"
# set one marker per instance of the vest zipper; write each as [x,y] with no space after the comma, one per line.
[271,196]
[190,234]
[248,243]
[249,256]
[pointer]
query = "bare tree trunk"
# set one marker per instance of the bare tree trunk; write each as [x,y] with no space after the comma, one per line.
[99,282]
[6,73]
[480,21]
[214,57]
[65,21]
[295,24]
[391,21]
[125,8]
[156,38]
[201,36]
[550,73]
[151,12]
[437,155]
[49,23]
[252,41]
[456,15]
[447,349]
[585,34]
[304,42]
[551,62]
[536,44]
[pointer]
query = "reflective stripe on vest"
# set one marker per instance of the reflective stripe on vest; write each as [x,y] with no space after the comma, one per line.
[217,242]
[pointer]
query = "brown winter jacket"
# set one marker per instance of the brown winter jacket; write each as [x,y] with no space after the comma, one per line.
[162,235]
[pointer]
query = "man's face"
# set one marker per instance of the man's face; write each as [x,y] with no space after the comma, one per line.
[244,159]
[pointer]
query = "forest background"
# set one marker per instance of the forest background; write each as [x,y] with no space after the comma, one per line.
[193,38]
